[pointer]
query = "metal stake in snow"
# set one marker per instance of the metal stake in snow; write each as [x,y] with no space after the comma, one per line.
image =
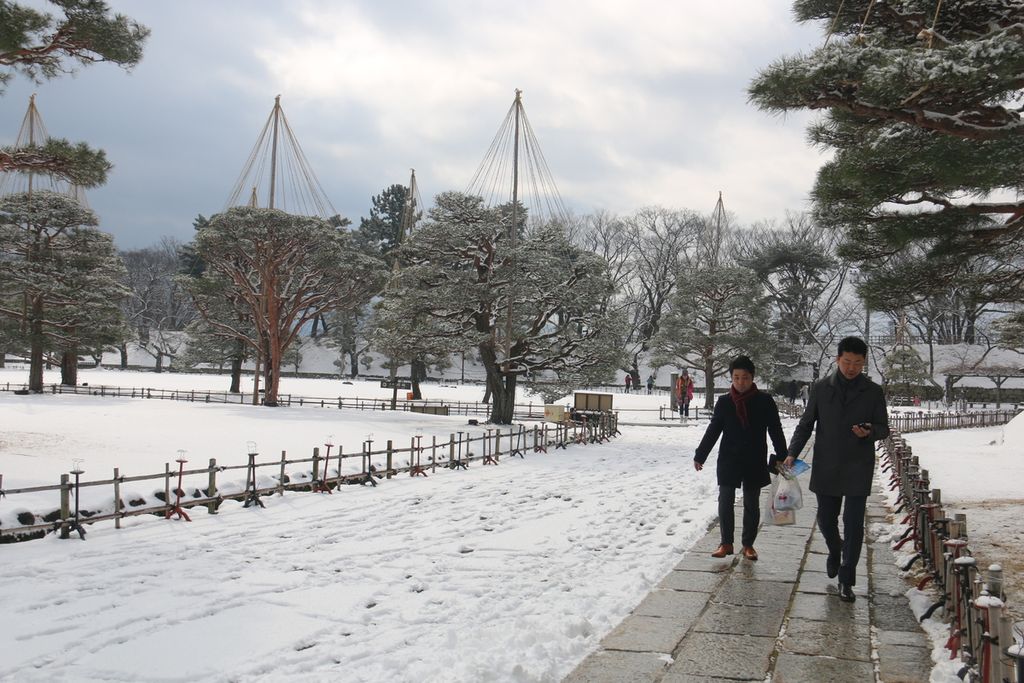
[176,508]
[252,497]
[321,486]
[75,526]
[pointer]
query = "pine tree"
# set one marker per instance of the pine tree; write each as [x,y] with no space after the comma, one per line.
[717,313]
[61,281]
[279,271]
[41,46]
[922,111]
[459,275]
[382,231]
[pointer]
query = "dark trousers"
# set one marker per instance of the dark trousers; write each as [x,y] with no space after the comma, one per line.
[848,546]
[751,513]
[684,408]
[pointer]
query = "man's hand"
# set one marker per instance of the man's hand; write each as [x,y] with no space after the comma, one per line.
[788,462]
[698,465]
[862,431]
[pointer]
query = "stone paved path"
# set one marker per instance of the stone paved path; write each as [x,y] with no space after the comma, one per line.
[735,620]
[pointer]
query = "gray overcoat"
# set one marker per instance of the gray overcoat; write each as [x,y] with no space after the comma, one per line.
[843,464]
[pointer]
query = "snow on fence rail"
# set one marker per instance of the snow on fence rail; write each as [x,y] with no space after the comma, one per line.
[364,467]
[921,422]
[972,601]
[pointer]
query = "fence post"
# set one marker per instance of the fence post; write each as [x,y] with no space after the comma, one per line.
[280,479]
[117,498]
[167,484]
[65,505]
[316,463]
[211,486]
[390,455]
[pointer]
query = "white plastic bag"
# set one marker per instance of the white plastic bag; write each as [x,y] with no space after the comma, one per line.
[773,516]
[788,495]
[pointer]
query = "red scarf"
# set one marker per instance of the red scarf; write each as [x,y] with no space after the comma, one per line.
[740,401]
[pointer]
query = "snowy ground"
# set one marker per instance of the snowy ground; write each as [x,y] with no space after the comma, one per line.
[508,573]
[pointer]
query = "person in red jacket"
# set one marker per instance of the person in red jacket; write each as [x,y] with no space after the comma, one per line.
[744,418]
[684,393]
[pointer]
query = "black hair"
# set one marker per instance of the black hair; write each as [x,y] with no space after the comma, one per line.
[742,363]
[852,345]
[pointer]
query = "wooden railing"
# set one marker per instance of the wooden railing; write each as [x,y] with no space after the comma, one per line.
[973,601]
[182,489]
[921,422]
[525,411]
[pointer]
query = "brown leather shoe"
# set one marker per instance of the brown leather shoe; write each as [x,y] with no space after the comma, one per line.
[750,553]
[723,550]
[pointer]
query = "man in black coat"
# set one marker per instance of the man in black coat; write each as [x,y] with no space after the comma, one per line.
[743,417]
[850,413]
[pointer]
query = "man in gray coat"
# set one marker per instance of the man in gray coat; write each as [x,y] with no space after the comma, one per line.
[850,413]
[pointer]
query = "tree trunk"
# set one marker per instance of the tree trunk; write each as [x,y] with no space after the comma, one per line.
[159,361]
[275,356]
[3,359]
[236,367]
[35,357]
[709,382]
[353,364]
[123,348]
[418,372]
[69,367]
[502,387]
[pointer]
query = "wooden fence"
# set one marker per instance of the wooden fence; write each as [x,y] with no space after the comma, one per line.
[325,473]
[921,422]
[972,601]
[523,411]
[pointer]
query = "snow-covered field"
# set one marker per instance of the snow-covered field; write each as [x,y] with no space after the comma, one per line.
[507,573]
[501,573]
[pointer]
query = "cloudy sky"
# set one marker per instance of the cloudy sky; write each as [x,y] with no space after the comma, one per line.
[634,103]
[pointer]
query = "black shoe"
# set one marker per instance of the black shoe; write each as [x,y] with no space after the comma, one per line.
[846,592]
[832,567]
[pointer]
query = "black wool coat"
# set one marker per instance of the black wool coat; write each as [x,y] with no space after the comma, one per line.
[743,455]
[843,464]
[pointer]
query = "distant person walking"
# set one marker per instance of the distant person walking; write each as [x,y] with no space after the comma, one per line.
[804,393]
[684,392]
[650,384]
[629,383]
[743,418]
[791,391]
[847,412]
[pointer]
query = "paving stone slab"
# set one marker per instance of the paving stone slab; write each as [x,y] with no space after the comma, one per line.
[915,638]
[793,668]
[893,614]
[736,591]
[706,543]
[705,563]
[740,620]
[842,638]
[814,607]
[904,664]
[616,666]
[671,677]
[701,582]
[766,571]
[639,633]
[672,604]
[725,656]
[814,582]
